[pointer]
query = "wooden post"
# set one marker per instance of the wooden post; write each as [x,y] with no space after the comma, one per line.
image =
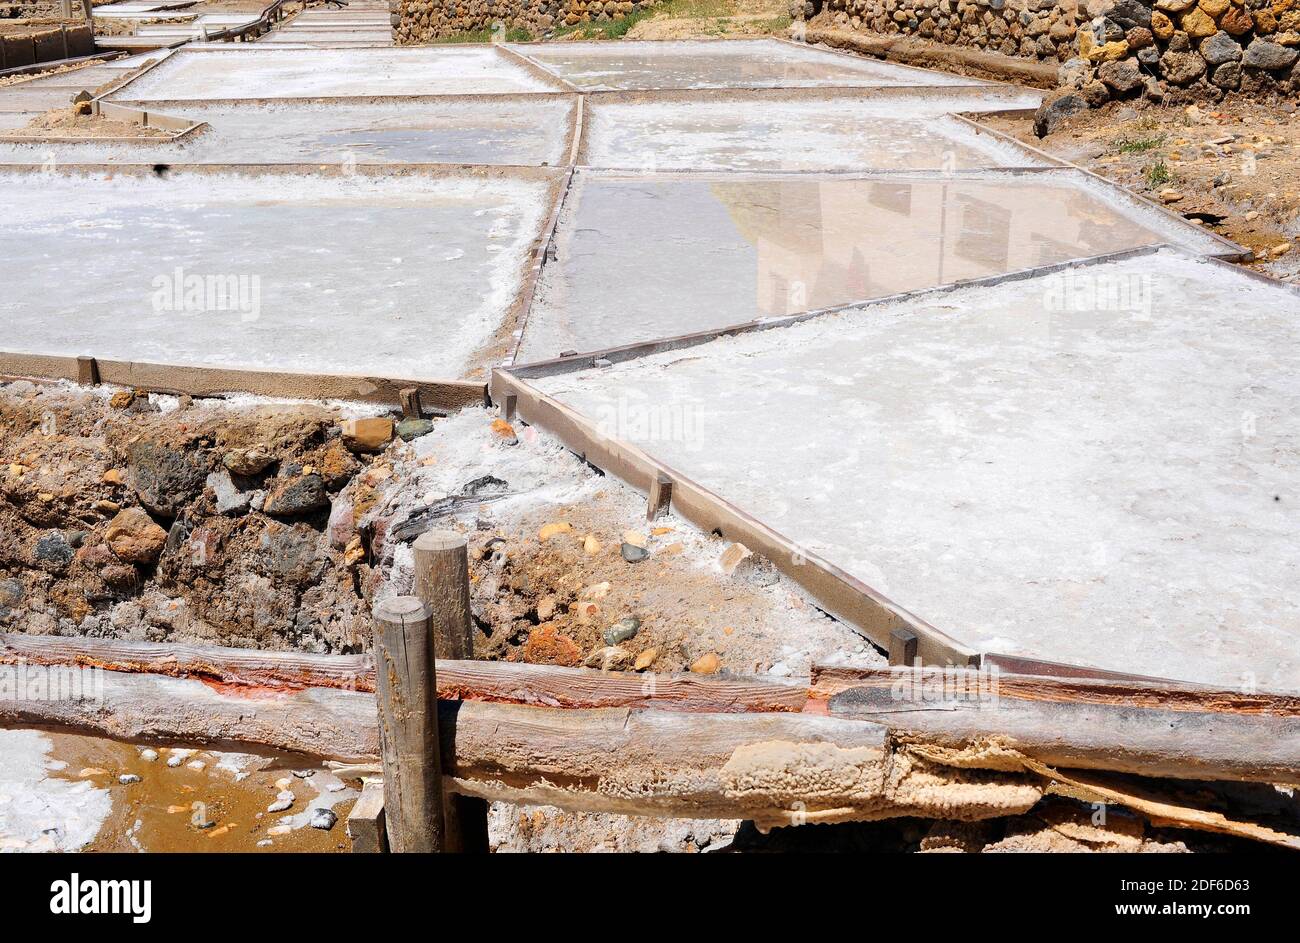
[407,693]
[87,371]
[366,821]
[442,584]
[412,408]
[661,496]
[902,647]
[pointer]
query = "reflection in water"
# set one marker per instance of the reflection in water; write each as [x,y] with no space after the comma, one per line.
[641,258]
[759,63]
[822,243]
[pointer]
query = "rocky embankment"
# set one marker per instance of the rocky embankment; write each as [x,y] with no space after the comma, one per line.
[1175,51]
[156,517]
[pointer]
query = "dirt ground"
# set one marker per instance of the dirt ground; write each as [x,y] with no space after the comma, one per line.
[289,552]
[566,570]
[688,19]
[1233,168]
[713,19]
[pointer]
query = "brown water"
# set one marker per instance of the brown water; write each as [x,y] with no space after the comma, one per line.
[181,809]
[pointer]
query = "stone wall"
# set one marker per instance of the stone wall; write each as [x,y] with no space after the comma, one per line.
[421,21]
[1177,50]
[40,9]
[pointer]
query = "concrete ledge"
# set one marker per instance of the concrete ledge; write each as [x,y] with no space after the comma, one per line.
[931,55]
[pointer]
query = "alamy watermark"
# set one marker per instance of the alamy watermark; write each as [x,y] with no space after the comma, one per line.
[46,683]
[182,292]
[650,422]
[1087,292]
[934,685]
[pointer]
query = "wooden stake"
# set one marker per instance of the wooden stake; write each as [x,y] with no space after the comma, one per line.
[661,496]
[407,692]
[509,406]
[87,371]
[412,408]
[366,821]
[902,647]
[442,584]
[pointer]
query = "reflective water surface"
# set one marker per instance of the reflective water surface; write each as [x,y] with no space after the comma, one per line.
[639,258]
[733,64]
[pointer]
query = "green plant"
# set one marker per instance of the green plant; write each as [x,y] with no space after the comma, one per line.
[1158,175]
[1138,145]
[515,35]
[477,36]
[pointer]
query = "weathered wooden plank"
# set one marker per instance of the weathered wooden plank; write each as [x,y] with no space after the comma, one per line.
[660,499]
[540,685]
[229,666]
[1151,729]
[1160,810]
[443,395]
[772,768]
[365,824]
[155,709]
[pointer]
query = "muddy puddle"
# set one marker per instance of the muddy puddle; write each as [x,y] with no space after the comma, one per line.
[207,802]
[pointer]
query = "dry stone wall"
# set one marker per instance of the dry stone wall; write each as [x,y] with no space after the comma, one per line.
[1164,49]
[422,21]
[42,9]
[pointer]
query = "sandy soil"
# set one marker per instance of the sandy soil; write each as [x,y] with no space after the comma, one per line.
[1234,167]
[65,122]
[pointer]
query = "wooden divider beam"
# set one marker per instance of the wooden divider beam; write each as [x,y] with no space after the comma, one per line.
[412,408]
[87,371]
[902,647]
[661,496]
